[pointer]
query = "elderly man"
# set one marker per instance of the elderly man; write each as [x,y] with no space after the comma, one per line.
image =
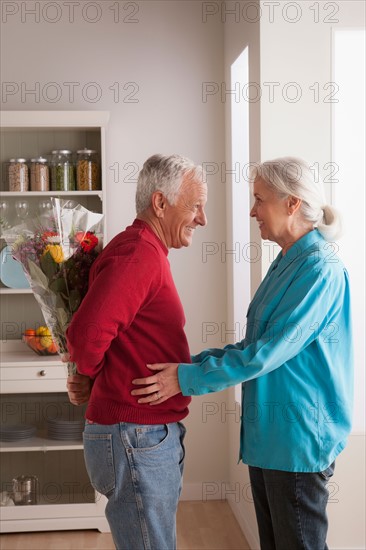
[131,316]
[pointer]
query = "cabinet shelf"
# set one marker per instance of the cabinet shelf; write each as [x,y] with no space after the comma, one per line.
[25,194]
[38,443]
[7,290]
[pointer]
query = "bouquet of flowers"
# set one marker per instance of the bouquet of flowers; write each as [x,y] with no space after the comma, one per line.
[56,252]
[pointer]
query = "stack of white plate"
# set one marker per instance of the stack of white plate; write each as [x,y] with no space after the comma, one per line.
[16,432]
[65,429]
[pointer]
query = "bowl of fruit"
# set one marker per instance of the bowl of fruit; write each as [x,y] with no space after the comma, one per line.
[40,341]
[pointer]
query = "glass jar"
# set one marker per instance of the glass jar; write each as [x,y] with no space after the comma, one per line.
[62,171]
[18,175]
[87,170]
[39,175]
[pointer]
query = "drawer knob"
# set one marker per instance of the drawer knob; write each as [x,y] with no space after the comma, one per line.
[42,373]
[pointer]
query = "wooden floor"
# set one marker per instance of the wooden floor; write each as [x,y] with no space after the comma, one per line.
[201,526]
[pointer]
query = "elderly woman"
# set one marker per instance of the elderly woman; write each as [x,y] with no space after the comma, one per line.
[295,362]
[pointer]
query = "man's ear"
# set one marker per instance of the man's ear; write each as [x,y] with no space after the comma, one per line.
[293,204]
[158,202]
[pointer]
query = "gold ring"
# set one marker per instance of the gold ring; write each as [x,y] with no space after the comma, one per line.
[157,395]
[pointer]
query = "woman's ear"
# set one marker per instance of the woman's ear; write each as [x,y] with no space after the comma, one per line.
[158,202]
[293,204]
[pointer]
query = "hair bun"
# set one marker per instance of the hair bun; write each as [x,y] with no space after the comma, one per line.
[331,226]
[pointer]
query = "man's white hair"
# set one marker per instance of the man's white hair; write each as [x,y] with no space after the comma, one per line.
[165,174]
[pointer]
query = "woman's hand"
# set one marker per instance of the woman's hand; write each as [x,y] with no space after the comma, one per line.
[160,386]
[79,388]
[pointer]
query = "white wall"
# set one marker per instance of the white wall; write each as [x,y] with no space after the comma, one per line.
[161,52]
[241,31]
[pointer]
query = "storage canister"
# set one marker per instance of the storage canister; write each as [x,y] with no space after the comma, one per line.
[18,176]
[39,175]
[87,170]
[25,490]
[62,171]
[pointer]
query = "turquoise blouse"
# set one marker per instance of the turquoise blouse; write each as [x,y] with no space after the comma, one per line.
[295,362]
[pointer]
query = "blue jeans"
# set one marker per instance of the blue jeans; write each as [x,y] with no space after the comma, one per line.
[139,469]
[291,508]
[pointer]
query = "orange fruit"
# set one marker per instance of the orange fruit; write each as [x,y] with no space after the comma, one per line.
[31,341]
[52,348]
[37,344]
[30,332]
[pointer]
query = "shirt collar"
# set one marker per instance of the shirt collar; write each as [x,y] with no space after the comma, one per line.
[296,250]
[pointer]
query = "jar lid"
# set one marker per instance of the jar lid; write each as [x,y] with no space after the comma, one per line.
[18,160]
[86,151]
[61,152]
[39,159]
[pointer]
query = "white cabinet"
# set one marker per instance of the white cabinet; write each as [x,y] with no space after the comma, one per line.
[33,388]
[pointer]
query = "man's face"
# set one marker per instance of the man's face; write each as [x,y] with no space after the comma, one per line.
[180,221]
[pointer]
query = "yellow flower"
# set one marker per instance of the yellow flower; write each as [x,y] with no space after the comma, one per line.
[56,252]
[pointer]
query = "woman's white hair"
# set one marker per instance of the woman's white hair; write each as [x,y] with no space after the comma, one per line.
[293,176]
[165,174]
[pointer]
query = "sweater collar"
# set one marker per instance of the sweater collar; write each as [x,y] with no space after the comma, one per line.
[140,224]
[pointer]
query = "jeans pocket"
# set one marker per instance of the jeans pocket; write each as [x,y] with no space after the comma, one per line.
[150,437]
[182,436]
[98,453]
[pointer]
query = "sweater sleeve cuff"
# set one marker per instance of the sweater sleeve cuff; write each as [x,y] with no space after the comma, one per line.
[187,373]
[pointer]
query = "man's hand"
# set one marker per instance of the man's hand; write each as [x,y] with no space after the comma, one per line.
[161,386]
[79,388]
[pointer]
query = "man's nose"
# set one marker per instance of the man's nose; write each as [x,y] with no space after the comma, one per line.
[201,218]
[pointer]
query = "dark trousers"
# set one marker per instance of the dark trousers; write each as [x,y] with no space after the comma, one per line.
[291,508]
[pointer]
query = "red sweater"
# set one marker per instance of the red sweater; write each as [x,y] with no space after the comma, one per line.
[131,315]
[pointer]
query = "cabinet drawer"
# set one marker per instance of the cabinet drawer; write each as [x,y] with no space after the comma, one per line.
[33,373]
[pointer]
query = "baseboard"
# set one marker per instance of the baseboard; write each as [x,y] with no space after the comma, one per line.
[250,534]
[196,491]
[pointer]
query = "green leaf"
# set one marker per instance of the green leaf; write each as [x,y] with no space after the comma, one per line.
[63,318]
[37,275]
[74,299]
[58,286]
[48,265]
[61,302]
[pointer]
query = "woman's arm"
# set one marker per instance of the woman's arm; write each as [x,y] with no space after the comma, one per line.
[309,301]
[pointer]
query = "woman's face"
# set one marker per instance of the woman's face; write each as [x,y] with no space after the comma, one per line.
[270,211]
